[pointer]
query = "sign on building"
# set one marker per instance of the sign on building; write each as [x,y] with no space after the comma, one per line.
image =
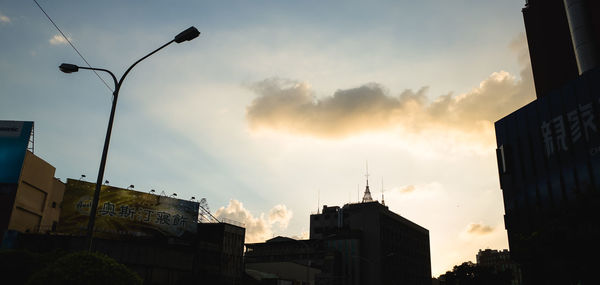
[14,139]
[123,212]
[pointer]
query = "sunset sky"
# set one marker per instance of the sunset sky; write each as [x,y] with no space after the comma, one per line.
[275,109]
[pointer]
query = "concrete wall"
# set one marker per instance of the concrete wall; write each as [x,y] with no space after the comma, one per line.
[37,201]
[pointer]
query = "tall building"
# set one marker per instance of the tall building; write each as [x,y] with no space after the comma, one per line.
[557,54]
[550,48]
[549,150]
[384,247]
[358,243]
[500,261]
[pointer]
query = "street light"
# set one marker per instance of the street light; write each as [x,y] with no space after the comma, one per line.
[187,35]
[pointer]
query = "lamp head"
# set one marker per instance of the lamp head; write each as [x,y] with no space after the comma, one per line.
[187,35]
[68,68]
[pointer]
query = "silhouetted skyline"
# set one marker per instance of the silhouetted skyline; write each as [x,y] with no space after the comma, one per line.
[277,101]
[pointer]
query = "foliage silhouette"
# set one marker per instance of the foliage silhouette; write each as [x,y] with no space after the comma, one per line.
[16,266]
[85,268]
[469,273]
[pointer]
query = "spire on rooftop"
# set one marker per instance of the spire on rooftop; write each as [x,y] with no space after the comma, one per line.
[367,197]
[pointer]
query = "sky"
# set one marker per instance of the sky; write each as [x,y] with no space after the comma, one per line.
[276,108]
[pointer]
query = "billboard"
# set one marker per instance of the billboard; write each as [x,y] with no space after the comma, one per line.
[14,139]
[123,212]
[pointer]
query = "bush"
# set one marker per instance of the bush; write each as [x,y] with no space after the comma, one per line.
[16,266]
[85,268]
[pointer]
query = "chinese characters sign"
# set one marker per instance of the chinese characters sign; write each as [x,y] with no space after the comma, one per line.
[578,124]
[125,212]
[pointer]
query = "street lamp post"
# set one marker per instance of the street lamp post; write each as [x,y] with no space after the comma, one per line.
[187,35]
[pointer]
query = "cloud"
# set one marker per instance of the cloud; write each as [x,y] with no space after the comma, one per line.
[4,19]
[58,40]
[291,106]
[478,229]
[258,229]
[407,189]
[519,46]
[281,215]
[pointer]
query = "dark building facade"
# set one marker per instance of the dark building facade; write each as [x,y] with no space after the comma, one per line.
[554,58]
[549,164]
[377,245]
[549,150]
[295,261]
[500,261]
[550,46]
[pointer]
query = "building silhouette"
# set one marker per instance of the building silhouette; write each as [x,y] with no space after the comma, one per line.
[385,247]
[500,261]
[283,259]
[358,243]
[30,195]
[549,150]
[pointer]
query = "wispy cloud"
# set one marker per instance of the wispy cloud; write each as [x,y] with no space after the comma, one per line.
[407,189]
[258,228]
[291,106]
[58,40]
[478,229]
[4,18]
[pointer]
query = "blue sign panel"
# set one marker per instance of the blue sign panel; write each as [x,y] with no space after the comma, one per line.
[14,139]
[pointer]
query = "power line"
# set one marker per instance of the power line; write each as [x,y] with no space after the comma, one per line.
[67,39]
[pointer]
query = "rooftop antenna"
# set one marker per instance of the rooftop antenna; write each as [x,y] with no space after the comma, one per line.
[382,199]
[367,197]
[367,175]
[318,200]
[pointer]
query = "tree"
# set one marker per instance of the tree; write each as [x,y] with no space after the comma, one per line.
[16,266]
[85,268]
[469,273]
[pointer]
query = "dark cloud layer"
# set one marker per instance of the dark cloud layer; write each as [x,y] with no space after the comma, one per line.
[290,106]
